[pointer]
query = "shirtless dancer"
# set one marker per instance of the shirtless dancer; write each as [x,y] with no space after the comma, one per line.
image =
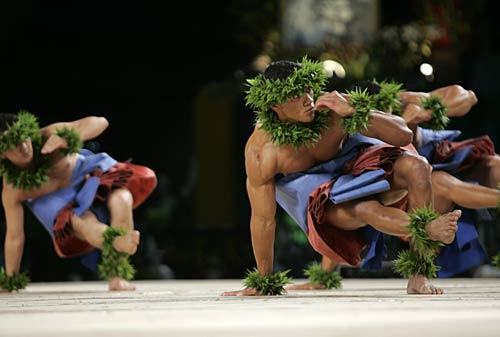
[297,132]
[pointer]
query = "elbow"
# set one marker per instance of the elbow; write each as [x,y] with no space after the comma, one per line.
[405,138]
[14,239]
[104,122]
[101,122]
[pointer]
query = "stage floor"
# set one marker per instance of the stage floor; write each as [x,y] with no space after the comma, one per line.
[362,307]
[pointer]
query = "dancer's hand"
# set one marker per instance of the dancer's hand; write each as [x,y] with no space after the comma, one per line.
[243,292]
[305,286]
[415,114]
[53,143]
[335,102]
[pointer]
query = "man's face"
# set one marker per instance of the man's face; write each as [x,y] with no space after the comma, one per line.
[20,155]
[299,108]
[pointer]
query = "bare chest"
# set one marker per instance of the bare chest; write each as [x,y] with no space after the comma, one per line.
[59,176]
[295,160]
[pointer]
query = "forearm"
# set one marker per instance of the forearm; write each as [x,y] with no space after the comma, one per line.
[390,129]
[91,127]
[263,245]
[13,254]
[458,100]
[327,264]
[87,127]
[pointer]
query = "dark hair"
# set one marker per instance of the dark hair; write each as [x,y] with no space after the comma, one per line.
[6,120]
[280,70]
[371,87]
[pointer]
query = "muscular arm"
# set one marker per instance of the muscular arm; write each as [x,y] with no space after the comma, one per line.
[87,128]
[262,225]
[261,192]
[389,128]
[14,237]
[458,99]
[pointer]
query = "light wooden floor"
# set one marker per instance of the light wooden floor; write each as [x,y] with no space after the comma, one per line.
[362,307]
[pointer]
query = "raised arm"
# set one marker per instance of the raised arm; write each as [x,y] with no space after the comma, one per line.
[14,236]
[87,128]
[389,128]
[458,100]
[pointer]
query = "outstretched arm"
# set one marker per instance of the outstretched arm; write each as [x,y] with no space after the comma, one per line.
[458,100]
[87,128]
[261,192]
[263,224]
[14,236]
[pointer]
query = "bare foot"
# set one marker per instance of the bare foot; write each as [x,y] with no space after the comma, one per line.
[420,285]
[443,228]
[127,243]
[243,292]
[117,284]
[305,286]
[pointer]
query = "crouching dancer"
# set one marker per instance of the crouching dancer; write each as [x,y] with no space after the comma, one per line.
[84,200]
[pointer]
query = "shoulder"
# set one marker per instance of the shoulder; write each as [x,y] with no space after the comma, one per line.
[12,195]
[261,158]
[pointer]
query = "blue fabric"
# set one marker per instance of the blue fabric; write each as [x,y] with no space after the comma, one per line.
[348,187]
[464,252]
[293,190]
[81,191]
[377,250]
[46,207]
[430,138]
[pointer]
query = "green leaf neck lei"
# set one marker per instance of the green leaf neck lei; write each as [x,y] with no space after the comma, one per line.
[27,127]
[296,134]
[264,93]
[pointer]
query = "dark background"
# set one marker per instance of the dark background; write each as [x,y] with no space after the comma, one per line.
[169,78]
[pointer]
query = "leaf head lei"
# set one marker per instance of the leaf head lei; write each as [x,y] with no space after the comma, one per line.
[26,126]
[264,93]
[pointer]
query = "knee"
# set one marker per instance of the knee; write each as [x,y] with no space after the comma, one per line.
[122,197]
[415,168]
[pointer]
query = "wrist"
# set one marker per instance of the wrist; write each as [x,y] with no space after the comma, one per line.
[14,282]
[269,284]
[319,276]
[72,137]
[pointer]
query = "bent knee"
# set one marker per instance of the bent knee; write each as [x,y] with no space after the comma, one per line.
[121,196]
[414,166]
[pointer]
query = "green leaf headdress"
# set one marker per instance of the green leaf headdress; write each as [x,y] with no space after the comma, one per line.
[25,127]
[264,93]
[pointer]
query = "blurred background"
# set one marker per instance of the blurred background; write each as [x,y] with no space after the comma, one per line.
[169,76]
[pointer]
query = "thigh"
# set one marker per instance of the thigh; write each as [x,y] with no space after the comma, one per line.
[347,215]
